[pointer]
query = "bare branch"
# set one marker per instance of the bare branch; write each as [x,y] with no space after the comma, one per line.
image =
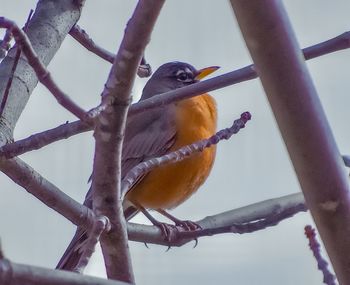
[101,224]
[242,220]
[70,129]
[19,274]
[46,30]
[182,153]
[46,192]
[44,138]
[109,131]
[302,122]
[328,277]
[81,36]
[41,71]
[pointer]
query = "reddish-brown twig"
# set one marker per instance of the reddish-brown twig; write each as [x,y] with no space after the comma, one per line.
[183,152]
[328,277]
[41,71]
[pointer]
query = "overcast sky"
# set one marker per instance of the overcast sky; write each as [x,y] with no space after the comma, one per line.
[250,167]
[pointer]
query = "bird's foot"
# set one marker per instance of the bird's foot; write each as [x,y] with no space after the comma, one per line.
[188,225]
[167,231]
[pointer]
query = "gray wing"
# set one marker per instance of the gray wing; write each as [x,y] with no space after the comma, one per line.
[147,135]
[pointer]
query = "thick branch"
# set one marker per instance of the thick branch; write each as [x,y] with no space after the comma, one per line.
[70,129]
[19,274]
[47,29]
[40,69]
[109,131]
[46,192]
[302,122]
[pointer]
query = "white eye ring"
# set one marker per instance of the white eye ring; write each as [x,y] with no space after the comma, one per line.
[183,76]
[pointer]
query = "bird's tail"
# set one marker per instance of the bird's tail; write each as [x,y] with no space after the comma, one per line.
[74,251]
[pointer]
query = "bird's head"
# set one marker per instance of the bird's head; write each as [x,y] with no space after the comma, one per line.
[174,75]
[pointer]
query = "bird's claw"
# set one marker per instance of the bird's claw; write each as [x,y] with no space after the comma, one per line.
[188,225]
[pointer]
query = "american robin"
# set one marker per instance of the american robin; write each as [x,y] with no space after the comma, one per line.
[155,133]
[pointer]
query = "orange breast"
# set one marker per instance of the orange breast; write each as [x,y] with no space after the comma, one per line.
[168,186]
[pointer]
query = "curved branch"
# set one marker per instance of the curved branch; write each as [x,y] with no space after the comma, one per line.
[40,69]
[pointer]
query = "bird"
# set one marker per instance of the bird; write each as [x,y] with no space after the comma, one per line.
[157,132]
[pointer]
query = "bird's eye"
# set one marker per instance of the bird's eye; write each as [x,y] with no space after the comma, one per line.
[183,76]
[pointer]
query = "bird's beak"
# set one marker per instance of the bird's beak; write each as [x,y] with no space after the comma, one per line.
[205,72]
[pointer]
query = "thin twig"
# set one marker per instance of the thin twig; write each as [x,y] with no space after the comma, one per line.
[182,153]
[101,224]
[44,138]
[15,62]
[5,44]
[81,36]
[41,71]
[322,264]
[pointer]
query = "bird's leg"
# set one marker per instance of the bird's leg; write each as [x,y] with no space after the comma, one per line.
[165,228]
[187,225]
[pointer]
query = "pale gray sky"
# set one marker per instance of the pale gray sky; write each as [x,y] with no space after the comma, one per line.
[251,167]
